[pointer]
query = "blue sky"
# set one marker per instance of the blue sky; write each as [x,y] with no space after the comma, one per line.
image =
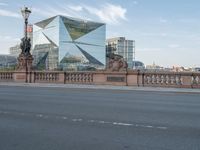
[166,32]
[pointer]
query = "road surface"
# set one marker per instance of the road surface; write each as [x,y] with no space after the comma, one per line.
[53,118]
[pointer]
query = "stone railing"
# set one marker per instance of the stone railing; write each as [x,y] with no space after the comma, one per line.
[129,78]
[6,76]
[162,79]
[46,76]
[195,80]
[78,77]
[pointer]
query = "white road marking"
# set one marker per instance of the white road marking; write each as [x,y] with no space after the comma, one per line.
[149,126]
[90,121]
[64,118]
[39,115]
[122,124]
[77,120]
[104,122]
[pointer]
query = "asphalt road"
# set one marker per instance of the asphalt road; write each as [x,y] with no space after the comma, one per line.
[41,118]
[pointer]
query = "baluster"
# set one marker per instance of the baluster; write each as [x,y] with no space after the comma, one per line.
[145,79]
[194,79]
[198,80]
[157,79]
[73,77]
[150,79]
[166,79]
[153,79]
[173,79]
[178,80]
[67,77]
[163,79]
[82,76]
[91,77]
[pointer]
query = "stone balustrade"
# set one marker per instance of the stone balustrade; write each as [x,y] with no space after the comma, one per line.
[159,79]
[6,76]
[78,77]
[46,76]
[195,80]
[130,78]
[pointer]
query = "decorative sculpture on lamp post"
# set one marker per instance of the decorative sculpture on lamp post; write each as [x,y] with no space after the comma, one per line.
[25,58]
[25,42]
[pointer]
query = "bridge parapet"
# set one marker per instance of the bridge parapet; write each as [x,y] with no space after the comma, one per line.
[126,78]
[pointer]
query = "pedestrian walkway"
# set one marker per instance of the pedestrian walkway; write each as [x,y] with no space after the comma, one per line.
[109,87]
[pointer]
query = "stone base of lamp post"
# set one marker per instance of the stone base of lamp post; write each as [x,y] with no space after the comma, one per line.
[24,68]
[25,62]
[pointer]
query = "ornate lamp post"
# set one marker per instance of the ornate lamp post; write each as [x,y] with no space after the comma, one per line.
[25,59]
[25,13]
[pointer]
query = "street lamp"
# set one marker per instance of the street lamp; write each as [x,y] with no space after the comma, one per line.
[25,58]
[25,13]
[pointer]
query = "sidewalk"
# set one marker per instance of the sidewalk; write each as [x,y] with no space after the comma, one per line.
[107,87]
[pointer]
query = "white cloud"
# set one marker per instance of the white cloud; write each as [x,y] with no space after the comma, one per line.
[109,13]
[60,10]
[43,12]
[76,8]
[8,13]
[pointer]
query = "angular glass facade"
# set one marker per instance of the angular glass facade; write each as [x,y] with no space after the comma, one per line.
[74,43]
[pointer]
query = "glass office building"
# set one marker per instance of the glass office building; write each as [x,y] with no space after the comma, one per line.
[69,44]
[123,47]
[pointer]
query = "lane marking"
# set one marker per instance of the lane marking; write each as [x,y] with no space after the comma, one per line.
[122,124]
[104,122]
[39,115]
[77,120]
[64,118]
[89,121]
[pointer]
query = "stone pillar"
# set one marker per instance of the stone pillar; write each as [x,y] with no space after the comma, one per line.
[24,68]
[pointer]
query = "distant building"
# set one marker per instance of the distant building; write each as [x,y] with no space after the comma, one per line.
[7,61]
[69,44]
[15,50]
[154,67]
[122,47]
[138,65]
[196,69]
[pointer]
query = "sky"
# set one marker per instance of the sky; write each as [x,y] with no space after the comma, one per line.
[166,32]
